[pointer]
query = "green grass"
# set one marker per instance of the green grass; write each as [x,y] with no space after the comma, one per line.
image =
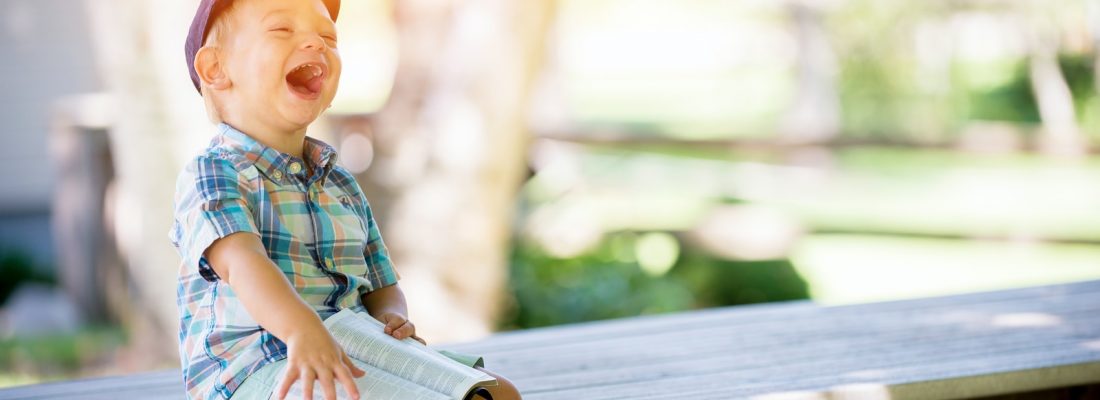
[856,269]
[877,203]
[9,379]
[956,194]
[869,189]
[26,360]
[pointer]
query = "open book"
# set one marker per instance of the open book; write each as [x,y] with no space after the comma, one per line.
[396,369]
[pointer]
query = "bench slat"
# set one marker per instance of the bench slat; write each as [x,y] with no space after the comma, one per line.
[752,337]
[776,312]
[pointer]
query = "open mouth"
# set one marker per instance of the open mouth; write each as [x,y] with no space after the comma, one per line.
[306,80]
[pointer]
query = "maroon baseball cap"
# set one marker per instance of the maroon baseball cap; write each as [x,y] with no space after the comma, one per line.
[208,10]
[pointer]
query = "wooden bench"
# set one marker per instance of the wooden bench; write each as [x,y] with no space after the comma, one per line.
[972,345]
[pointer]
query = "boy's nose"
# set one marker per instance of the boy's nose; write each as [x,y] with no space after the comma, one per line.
[314,43]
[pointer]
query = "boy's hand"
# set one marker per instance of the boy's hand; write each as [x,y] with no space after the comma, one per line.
[387,304]
[315,355]
[398,326]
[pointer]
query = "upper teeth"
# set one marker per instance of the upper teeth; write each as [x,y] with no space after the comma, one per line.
[315,69]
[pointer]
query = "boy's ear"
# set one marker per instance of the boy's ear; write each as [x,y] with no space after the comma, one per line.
[209,68]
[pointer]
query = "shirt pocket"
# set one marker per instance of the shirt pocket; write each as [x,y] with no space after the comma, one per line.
[350,233]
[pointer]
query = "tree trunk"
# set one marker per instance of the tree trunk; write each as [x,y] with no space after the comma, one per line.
[138,46]
[449,154]
[815,114]
[1061,135]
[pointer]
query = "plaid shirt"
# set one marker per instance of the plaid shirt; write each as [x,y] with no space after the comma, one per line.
[318,229]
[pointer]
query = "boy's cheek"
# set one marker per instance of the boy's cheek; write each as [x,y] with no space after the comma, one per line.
[335,85]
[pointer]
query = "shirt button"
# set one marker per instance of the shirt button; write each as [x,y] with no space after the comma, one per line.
[295,168]
[277,174]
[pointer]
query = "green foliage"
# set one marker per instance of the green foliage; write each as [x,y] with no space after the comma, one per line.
[879,96]
[872,91]
[879,81]
[606,283]
[59,355]
[883,92]
[550,291]
[1010,100]
[1080,76]
[17,268]
[718,282]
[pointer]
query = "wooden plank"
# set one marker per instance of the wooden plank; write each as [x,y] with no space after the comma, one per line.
[1068,303]
[163,382]
[778,313]
[878,364]
[833,345]
[854,370]
[998,384]
[1074,309]
[957,346]
[822,338]
[750,338]
[774,312]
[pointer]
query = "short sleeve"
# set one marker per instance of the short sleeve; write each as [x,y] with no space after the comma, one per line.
[211,203]
[380,268]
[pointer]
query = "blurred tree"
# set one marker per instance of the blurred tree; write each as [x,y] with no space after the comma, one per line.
[606,282]
[449,154]
[592,286]
[880,71]
[138,48]
[1093,12]
[717,282]
[1011,101]
[815,114]
[1061,135]
[88,264]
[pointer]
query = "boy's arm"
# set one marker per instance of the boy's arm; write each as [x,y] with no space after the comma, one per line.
[388,305]
[312,354]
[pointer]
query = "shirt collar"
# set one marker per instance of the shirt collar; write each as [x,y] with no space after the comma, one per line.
[275,165]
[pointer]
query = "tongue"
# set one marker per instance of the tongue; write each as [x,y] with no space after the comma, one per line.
[303,80]
[314,84]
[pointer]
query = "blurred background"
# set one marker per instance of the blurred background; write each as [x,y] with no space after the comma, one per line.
[534,163]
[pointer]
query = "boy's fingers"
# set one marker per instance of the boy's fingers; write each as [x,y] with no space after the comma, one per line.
[307,384]
[355,371]
[327,386]
[404,331]
[393,321]
[344,376]
[289,377]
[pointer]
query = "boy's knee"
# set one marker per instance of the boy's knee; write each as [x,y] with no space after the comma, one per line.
[504,390]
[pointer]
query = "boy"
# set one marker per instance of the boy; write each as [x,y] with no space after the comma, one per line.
[274,236]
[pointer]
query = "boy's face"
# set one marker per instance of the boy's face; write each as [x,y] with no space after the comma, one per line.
[282,60]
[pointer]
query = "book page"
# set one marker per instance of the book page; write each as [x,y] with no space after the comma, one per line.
[362,337]
[375,385]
